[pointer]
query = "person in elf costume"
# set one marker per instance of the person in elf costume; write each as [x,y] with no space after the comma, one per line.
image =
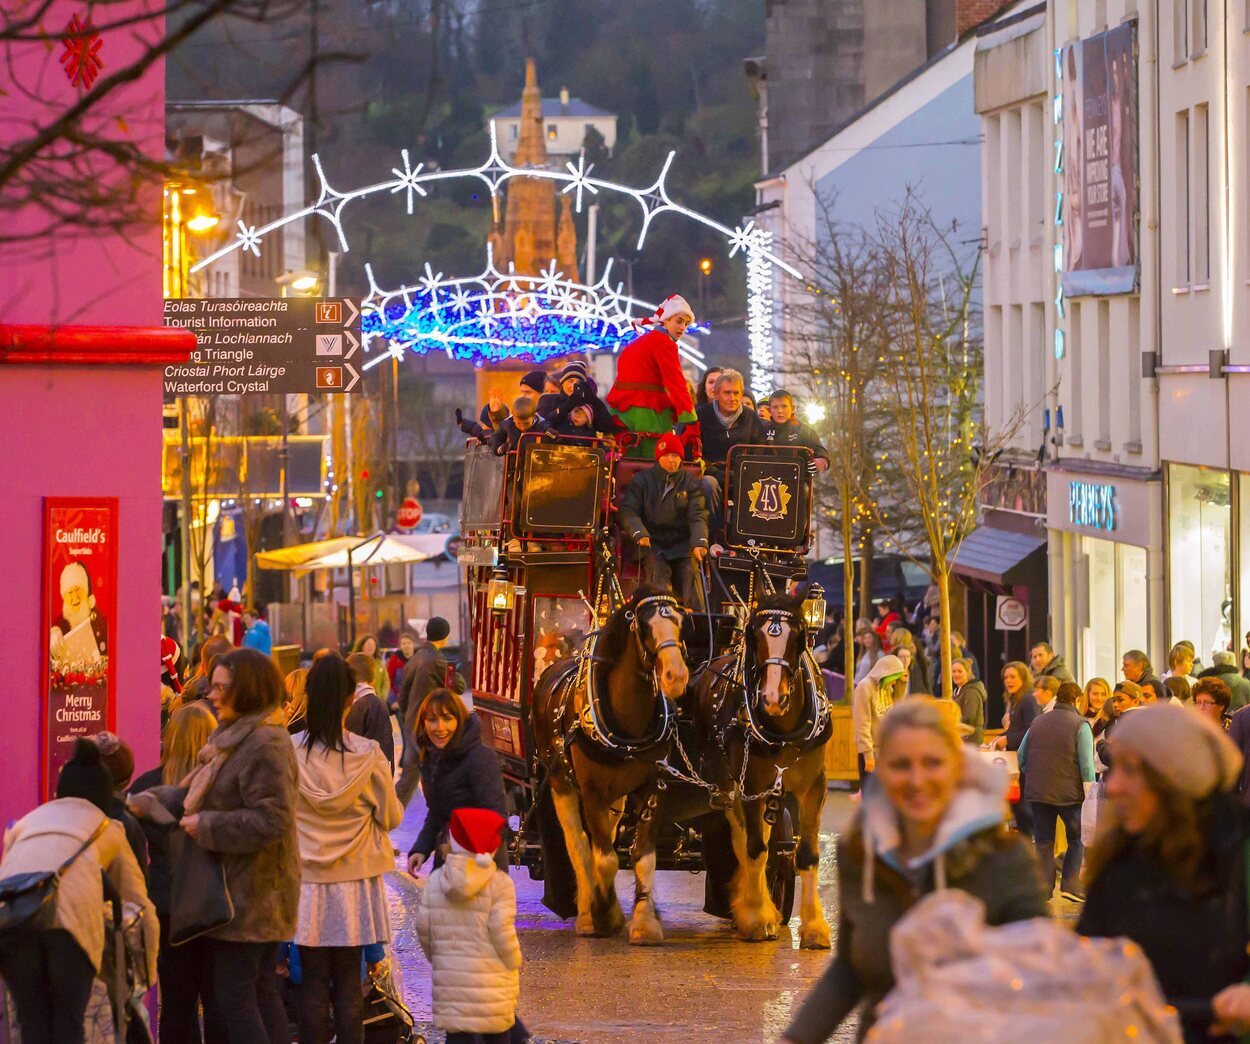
[650,394]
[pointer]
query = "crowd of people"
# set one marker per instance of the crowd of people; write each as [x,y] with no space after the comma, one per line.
[255,852]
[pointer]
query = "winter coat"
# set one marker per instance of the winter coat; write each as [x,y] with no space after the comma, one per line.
[247,816]
[259,638]
[134,832]
[1022,716]
[1239,733]
[1195,942]
[670,509]
[877,886]
[869,704]
[1056,757]
[796,433]
[466,926]
[1237,685]
[649,376]
[395,670]
[369,717]
[1056,669]
[556,409]
[464,776]
[507,437]
[427,669]
[346,807]
[971,699]
[747,428]
[47,836]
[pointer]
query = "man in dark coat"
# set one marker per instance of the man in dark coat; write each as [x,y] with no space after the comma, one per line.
[507,436]
[785,429]
[724,422]
[427,669]
[664,513]
[368,715]
[1046,663]
[1056,761]
[1225,668]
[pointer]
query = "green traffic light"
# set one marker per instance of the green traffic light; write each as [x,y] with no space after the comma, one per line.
[379,494]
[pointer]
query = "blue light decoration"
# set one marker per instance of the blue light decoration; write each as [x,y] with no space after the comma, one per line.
[496,315]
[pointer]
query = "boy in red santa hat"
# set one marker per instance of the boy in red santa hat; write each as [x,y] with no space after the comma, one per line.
[650,394]
[466,926]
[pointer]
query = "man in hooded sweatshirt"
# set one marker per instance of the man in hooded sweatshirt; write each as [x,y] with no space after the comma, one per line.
[466,926]
[872,698]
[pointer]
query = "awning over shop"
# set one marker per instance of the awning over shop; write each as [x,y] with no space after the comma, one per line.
[999,556]
[358,551]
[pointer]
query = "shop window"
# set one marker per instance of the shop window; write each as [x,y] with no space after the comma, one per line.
[1118,606]
[1199,559]
[1243,549]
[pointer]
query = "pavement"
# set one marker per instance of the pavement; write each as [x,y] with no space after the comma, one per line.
[702,985]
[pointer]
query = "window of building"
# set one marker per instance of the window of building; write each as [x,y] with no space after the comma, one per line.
[1118,606]
[1200,526]
[1243,558]
[1182,200]
[516,130]
[553,132]
[1180,30]
[1202,196]
[1198,37]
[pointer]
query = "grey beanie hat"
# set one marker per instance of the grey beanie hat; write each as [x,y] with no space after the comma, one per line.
[1190,752]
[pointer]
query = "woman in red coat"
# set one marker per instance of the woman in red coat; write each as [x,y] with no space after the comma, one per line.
[650,394]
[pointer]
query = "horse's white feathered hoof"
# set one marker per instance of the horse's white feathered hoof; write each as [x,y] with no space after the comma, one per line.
[815,936]
[585,924]
[645,928]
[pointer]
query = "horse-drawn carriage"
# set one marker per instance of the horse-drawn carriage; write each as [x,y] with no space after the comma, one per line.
[632,730]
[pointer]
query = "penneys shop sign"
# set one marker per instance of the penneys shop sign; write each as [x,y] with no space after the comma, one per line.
[1092,505]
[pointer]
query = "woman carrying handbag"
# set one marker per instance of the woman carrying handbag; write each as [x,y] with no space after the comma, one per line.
[50,960]
[240,804]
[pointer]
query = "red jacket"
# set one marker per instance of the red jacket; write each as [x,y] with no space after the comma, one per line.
[648,374]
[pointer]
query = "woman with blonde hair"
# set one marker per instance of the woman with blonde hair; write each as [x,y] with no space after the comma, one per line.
[918,683]
[933,817]
[295,706]
[183,971]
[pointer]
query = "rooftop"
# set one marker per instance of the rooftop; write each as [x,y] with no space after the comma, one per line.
[555,107]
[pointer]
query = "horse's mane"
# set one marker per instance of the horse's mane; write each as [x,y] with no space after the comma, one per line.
[615,633]
[780,600]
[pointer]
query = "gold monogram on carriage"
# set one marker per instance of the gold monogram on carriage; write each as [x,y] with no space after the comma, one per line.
[769,499]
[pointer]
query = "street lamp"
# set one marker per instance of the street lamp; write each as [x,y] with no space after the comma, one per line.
[203,222]
[705,272]
[303,283]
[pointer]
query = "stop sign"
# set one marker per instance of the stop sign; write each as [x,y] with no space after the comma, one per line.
[409,513]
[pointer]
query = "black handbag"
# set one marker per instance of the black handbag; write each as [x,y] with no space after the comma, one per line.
[28,901]
[199,899]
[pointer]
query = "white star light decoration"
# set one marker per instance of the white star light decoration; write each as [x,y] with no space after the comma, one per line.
[754,242]
[503,315]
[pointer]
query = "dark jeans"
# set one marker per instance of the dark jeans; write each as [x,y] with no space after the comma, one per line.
[331,973]
[185,974]
[50,978]
[1044,817]
[674,574]
[245,988]
[410,773]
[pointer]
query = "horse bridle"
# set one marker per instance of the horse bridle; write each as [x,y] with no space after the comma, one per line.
[667,605]
[796,626]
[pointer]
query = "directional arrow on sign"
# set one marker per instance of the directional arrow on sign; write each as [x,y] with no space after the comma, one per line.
[353,311]
[355,376]
[352,344]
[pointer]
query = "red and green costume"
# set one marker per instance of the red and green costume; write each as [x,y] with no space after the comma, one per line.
[650,394]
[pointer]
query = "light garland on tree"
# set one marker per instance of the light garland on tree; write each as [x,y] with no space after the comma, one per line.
[496,315]
[493,342]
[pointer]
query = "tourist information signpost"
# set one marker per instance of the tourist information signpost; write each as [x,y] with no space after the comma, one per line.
[267,346]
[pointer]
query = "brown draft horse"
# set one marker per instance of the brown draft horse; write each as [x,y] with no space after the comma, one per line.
[602,725]
[764,704]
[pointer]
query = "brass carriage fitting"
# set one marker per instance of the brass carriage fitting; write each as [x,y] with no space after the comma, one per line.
[814,607]
[500,592]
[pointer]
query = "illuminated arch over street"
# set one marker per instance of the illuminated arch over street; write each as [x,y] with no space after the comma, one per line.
[506,315]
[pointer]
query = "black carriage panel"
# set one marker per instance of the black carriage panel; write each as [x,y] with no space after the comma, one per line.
[768,498]
[561,488]
[482,506]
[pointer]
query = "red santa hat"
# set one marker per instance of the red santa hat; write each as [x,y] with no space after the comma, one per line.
[669,443]
[169,661]
[672,305]
[477,832]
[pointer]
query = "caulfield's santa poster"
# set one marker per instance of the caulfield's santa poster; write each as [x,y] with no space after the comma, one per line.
[79,607]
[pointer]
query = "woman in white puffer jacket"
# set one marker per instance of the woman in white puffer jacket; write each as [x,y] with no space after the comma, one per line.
[466,926]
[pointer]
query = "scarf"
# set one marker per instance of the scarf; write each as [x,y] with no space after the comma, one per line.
[221,744]
[726,422]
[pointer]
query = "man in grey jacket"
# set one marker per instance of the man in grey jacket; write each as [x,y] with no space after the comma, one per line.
[1047,663]
[664,512]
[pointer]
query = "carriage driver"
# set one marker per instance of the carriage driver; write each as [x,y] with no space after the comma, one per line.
[663,510]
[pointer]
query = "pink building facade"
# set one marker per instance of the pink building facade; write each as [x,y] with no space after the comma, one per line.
[82,352]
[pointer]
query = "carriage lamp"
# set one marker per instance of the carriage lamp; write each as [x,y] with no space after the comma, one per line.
[500,593]
[814,607]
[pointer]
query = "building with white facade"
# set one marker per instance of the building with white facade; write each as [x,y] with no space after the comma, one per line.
[565,123]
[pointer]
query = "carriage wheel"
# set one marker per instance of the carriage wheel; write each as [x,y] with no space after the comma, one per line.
[780,872]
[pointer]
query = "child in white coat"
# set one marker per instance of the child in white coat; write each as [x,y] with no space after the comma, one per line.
[466,926]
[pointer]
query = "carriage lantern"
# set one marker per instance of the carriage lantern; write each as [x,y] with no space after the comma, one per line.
[500,592]
[814,607]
